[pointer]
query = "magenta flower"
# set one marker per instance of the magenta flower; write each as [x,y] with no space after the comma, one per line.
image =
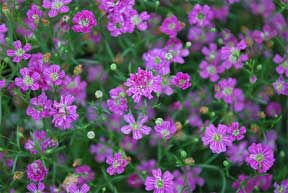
[165,130]
[20,52]
[117,164]
[238,153]
[216,138]
[232,56]
[101,151]
[54,75]
[235,132]
[36,171]
[2,83]
[85,174]
[74,188]
[117,24]
[39,107]
[83,21]
[139,20]
[64,113]
[225,89]
[3,30]
[281,188]
[181,80]
[175,48]
[118,102]
[210,70]
[261,157]
[136,127]
[201,15]
[170,26]
[56,6]
[29,80]
[143,83]
[33,188]
[160,183]
[34,13]
[282,67]
[280,86]
[155,59]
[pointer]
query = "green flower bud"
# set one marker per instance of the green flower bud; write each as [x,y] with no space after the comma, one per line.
[113,66]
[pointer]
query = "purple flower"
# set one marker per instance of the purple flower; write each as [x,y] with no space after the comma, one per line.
[159,182]
[170,26]
[235,132]
[117,24]
[201,15]
[216,138]
[232,55]
[165,129]
[225,89]
[282,188]
[136,127]
[155,59]
[175,48]
[273,109]
[39,107]
[29,80]
[147,166]
[210,70]
[117,164]
[54,75]
[33,188]
[181,80]
[36,171]
[2,83]
[34,13]
[74,188]
[20,52]
[129,144]
[261,157]
[3,30]
[211,53]
[83,21]
[56,6]
[85,174]
[101,151]
[64,113]
[143,83]
[194,178]
[139,20]
[280,86]
[237,153]
[118,102]
[282,67]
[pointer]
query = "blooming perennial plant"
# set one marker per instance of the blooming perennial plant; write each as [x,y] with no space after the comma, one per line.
[143,96]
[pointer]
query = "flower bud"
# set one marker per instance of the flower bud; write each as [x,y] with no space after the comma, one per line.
[113,66]
[91,135]
[98,94]
[159,121]
[18,175]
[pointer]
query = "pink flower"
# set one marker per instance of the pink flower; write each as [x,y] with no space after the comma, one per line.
[83,21]
[232,55]
[33,188]
[159,183]
[117,164]
[118,102]
[175,48]
[201,15]
[36,171]
[74,189]
[20,52]
[136,127]
[2,84]
[64,113]
[225,89]
[282,67]
[155,59]
[280,86]
[235,132]
[143,83]
[210,70]
[217,138]
[54,75]
[165,129]
[170,26]
[181,80]
[261,157]
[139,20]
[34,13]
[85,174]
[39,107]
[29,80]
[56,6]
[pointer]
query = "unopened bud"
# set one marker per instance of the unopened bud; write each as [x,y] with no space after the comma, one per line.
[76,163]
[226,163]
[159,121]
[91,135]
[18,175]
[189,161]
[113,66]
[98,94]
[203,110]
[78,69]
